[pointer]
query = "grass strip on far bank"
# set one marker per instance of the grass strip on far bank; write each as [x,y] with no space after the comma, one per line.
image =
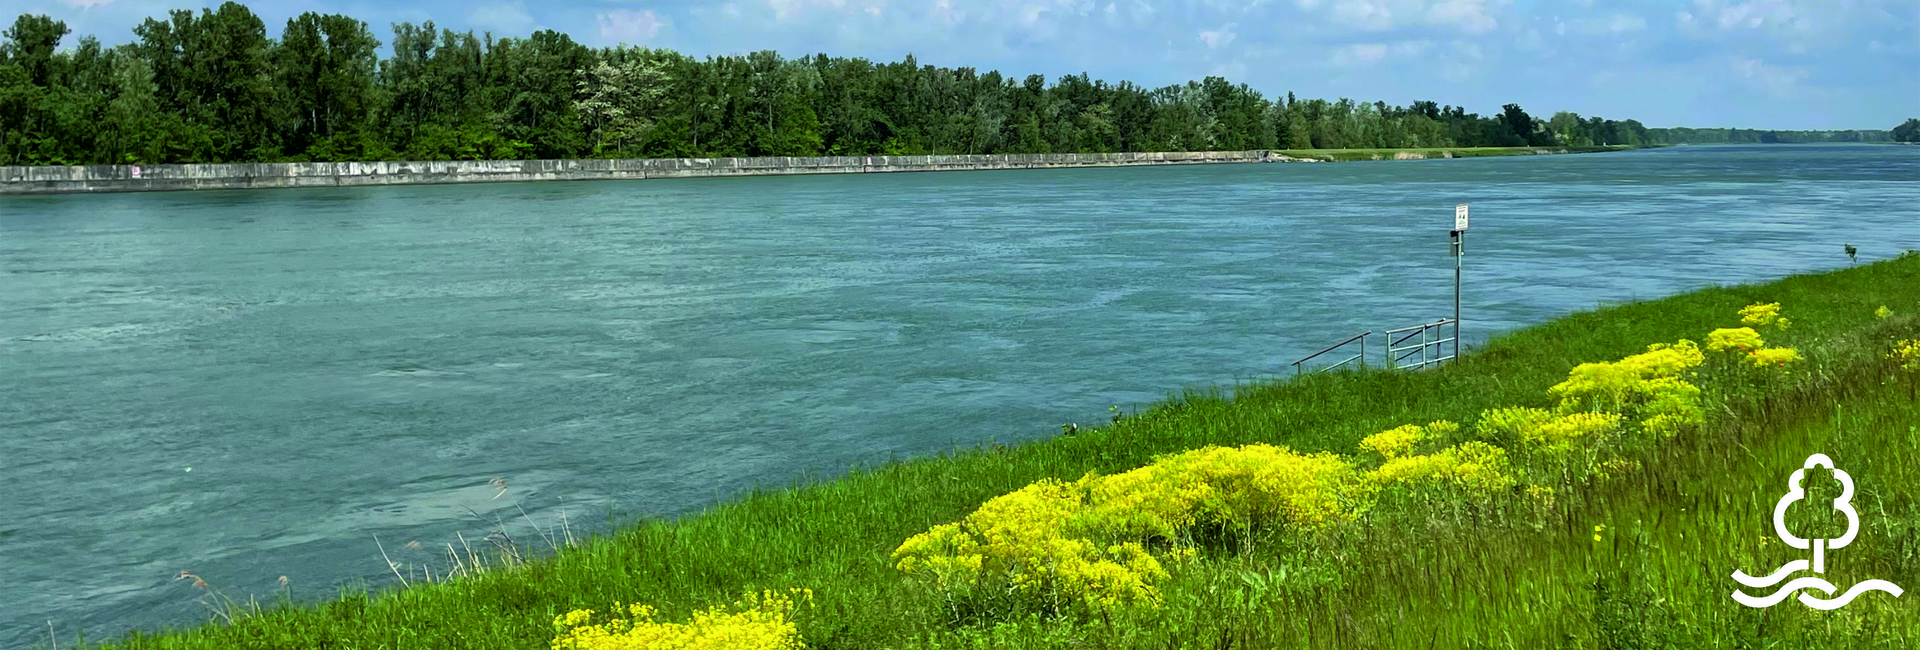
[836,537]
[1349,155]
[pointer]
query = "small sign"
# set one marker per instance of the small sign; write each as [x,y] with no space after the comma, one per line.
[1460,217]
[136,171]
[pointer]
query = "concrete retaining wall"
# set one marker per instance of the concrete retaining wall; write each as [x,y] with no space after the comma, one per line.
[139,178]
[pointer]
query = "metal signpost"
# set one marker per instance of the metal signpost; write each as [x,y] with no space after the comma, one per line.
[1459,245]
[1401,346]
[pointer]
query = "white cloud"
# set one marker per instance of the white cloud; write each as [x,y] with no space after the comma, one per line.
[1142,12]
[501,18]
[629,27]
[1367,53]
[1776,80]
[1470,16]
[1623,23]
[1614,25]
[1755,14]
[1360,53]
[1800,25]
[1217,38]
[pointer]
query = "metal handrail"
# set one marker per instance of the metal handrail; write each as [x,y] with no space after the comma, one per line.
[1394,347]
[1362,357]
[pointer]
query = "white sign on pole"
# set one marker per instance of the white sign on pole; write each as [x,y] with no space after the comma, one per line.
[1460,217]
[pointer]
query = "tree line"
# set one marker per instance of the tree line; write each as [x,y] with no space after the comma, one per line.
[213,86]
[1757,136]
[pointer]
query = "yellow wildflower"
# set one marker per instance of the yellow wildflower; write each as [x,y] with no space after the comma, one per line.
[1883,313]
[1476,466]
[1773,357]
[1647,386]
[1392,443]
[1087,540]
[1512,424]
[1907,354]
[755,622]
[1565,432]
[1762,315]
[1397,442]
[1740,338]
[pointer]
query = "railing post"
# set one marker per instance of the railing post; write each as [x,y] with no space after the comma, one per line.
[1423,345]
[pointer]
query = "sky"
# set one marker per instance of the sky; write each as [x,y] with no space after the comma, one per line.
[1777,64]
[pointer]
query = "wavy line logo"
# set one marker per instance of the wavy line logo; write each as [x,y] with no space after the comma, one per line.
[1843,503]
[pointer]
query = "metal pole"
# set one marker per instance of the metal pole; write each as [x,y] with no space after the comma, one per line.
[1459,251]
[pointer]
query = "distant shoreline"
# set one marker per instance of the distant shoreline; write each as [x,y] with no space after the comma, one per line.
[160,178]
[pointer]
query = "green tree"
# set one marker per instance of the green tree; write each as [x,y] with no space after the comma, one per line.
[325,65]
[1908,131]
[30,44]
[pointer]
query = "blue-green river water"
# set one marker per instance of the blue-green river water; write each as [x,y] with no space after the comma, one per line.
[339,364]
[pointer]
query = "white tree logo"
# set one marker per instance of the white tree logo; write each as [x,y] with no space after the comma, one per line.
[1843,503]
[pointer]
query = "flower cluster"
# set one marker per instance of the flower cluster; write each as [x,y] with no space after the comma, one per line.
[1883,313]
[1087,542]
[1736,338]
[1394,443]
[756,622]
[1476,467]
[1649,387]
[1763,315]
[1907,354]
[1105,541]
[1746,340]
[1773,357]
[1024,542]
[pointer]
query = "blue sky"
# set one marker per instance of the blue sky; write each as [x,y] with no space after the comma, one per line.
[1787,64]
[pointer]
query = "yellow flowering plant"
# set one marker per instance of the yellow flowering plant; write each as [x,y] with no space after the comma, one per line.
[1650,388]
[1474,467]
[1106,541]
[1773,357]
[1735,338]
[761,621]
[1763,315]
[1086,545]
[1883,313]
[1400,441]
[1906,355]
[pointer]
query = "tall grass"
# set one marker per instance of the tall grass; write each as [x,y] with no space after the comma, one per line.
[1657,577]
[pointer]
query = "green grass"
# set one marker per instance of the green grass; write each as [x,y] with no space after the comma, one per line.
[1347,155]
[1659,577]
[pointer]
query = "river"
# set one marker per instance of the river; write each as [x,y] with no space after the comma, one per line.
[255,384]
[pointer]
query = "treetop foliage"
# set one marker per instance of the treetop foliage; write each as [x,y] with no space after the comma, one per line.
[213,86]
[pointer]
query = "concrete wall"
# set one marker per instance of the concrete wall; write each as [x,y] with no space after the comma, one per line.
[139,178]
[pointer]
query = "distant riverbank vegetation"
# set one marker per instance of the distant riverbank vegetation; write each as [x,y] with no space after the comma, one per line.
[213,86]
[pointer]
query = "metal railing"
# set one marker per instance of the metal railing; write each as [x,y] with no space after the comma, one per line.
[1298,368]
[1430,348]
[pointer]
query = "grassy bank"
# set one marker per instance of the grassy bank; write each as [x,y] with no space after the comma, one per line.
[1658,574]
[1349,155]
